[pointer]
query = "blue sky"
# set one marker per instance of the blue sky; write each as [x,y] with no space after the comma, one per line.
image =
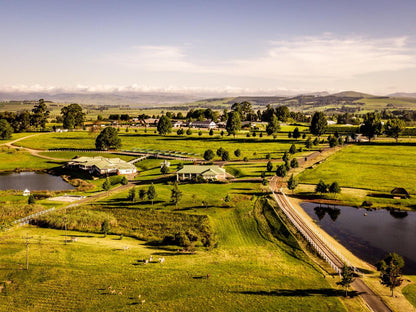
[246,47]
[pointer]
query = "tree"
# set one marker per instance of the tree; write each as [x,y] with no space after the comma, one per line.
[285,157]
[390,271]
[142,194]
[6,129]
[225,156]
[318,124]
[105,227]
[269,166]
[107,185]
[124,180]
[211,132]
[199,132]
[220,151]
[176,194]
[237,152]
[321,187]
[108,138]
[132,194]
[395,127]
[31,199]
[209,155]
[164,126]
[151,193]
[347,278]
[188,131]
[372,125]
[273,126]
[292,149]
[40,114]
[296,133]
[292,183]
[281,171]
[282,113]
[180,131]
[335,188]
[164,169]
[233,123]
[308,143]
[333,141]
[294,163]
[72,116]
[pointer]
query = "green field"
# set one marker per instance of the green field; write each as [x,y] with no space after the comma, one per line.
[378,167]
[246,272]
[251,148]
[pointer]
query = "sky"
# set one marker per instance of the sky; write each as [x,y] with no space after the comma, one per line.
[244,47]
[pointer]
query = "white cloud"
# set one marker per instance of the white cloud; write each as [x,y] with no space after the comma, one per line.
[328,58]
[321,58]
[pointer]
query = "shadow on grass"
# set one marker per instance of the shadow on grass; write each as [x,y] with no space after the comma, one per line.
[325,292]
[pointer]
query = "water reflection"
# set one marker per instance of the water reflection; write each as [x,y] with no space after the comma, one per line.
[333,212]
[33,181]
[369,233]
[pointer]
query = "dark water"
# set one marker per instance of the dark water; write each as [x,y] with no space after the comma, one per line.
[372,236]
[33,182]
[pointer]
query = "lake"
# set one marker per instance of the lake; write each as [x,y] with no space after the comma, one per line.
[370,235]
[33,181]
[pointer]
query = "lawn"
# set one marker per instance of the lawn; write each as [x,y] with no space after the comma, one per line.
[252,148]
[10,159]
[246,273]
[378,167]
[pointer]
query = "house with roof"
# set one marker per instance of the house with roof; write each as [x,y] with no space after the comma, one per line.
[190,172]
[102,166]
[208,124]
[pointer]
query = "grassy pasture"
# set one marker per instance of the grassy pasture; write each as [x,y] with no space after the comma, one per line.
[377,167]
[11,159]
[246,273]
[250,147]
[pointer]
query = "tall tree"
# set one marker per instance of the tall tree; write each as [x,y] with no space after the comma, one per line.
[372,125]
[296,133]
[281,171]
[292,183]
[72,116]
[164,126]
[321,187]
[334,188]
[107,185]
[395,127]
[292,149]
[209,155]
[318,124]
[273,126]
[347,278]
[6,129]
[282,113]
[108,138]
[151,193]
[40,114]
[269,166]
[233,123]
[176,194]
[390,271]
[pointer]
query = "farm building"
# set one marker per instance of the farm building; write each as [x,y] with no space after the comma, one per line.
[189,172]
[203,124]
[101,166]
[400,192]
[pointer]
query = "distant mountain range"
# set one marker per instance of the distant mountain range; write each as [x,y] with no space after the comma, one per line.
[146,99]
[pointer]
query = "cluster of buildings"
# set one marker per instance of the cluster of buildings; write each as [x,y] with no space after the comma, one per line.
[102,166]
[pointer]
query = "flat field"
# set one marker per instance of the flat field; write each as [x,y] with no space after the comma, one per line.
[378,167]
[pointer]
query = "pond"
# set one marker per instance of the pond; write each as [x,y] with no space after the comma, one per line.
[33,181]
[370,235]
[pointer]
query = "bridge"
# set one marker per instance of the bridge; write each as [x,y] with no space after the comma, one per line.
[326,250]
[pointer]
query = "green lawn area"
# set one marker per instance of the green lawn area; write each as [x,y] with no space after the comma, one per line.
[11,159]
[410,292]
[252,148]
[247,272]
[378,167]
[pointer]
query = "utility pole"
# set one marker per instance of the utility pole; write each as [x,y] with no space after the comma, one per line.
[27,250]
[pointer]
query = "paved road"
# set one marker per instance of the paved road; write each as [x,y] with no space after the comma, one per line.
[370,298]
